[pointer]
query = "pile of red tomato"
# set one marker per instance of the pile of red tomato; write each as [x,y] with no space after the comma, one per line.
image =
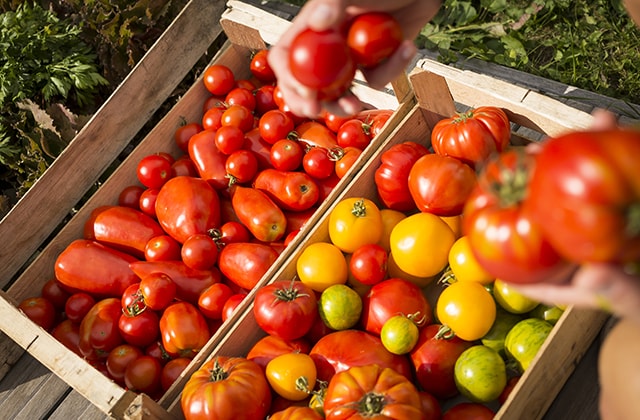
[158,272]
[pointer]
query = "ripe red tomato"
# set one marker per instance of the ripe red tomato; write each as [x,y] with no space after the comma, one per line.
[468,411]
[158,290]
[322,61]
[441,184]
[130,196]
[368,264]
[199,251]
[119,358]
[212,300]
[345,159]
[244,263]
[229,138]
[591,180]
[354,133]
[241,166]
[286,155]
[78,305]
[241,96]
[472,136]
[208,159]
[275,125]
[147,202]
[260,68]
[219,79]
[290,190]
[54,293]
[172,371]
[238,116]
[99,333]
[212,119]
[141,329]
[154,170]
[39,310]
[184,167]
[264,99]
[162,248]
[259,213]
[317,163]
[183,329]
[271,346]
[521,253]
[373,37]
[233,231]
[391,177]
[183,133]
[143,375]
[286,309]
[68,333]
[231,304]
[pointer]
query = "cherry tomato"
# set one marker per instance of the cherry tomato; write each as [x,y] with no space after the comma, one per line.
[345,160]
[141,329]
[354,133]
[143,375]
[286,155]
[54,293]
[286,371]
[264,99]
[183,133]
[172,371]
[317,163]
[260,68]
[238,116]
[468,411]
[467,308]
[212,300]
[368,264]
[399,334]
[184,167]
[199,251]
[132,301]
[119,358]
[162,248]
[372,37]
[154,170]
[320,265]
[212,119]
[229,139]
[231,304]
[219,79]
[130,196]
[148,201]
[78,305]
[275,125]
[39,310]
[158,290]
[241,166]
[241,96]
[68,333]
[233,231]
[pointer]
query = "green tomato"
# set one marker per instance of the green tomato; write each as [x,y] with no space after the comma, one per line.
[340,307]
[399,334]
[549,313]
[510,299]
[498,332]
[480,374]
[525,339]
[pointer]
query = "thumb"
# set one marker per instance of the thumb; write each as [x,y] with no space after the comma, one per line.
[325,14]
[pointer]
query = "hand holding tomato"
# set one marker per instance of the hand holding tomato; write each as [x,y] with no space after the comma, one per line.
[320,15]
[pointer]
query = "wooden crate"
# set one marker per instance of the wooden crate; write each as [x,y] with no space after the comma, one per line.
[37,216]
[439,91]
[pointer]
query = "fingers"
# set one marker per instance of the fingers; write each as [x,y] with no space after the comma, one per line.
[392,67]
[603,120]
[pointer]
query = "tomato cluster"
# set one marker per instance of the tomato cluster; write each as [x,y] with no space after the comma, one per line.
[156,273]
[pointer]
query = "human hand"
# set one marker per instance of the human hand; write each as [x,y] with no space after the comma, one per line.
[325,14]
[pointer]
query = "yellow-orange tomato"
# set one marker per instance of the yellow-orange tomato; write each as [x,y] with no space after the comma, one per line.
[463,263]
[455,223]
[322,264]
[393,271]
[420,244]
[390,218]
[284,371]
[354,222]
[467,308]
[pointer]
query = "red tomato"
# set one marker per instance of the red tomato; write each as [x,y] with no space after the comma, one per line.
[441,184]
[340,350]
[286,155]
[290,190]
[472,136]
[238,116]
[395,395]
[39,310]
[521,253]
[143,375]
[354,133]
[212,119]
[54,293]
[148,200]
[285,309]
[589,182]
[187,206]
[140,330]
[392,297]
[260,68]
[231,304]
[119,358]
[270,346]
[264,99]
[469,411]
[259,213]
[231,232]
[199,251]
[391,177]
[317,163]
[373,37]
[244,263]
[322,61]
[368,264]
[132,301]
[334,121]
[183,330]
[241,166]
[434,358]
[254,142]
[99,332]
[431,409]
[345,160]
[172,371]
[212,299]
[226,387]
[154,170]
[78,305]
[158,290]
[130,196]
[241,96]
[275,125]
[183,133]
[184,167]
[208,159]
[68,333]
[229,139]
[316,134]
[162,248]
[219,79]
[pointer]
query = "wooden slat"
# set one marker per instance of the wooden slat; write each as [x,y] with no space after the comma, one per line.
[95,147]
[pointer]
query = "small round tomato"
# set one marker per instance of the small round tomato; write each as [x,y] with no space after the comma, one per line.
[78,305]
[158,290]
[241,96]
[467,308]
[292,375]
[241,166]
[354,222]
[260,68]
[510,299]
[228,139]
[275,125]
[231,305]
[525,339]
[148,201]
[264,99]
[54,293]
[219,79]
[199,251]
[480,374]
[368,264]
[39,310]
[286,155]
[162,248]
[317,163]
[233,231]
[340,307]
[354,133]
[373,37]
[132,300]
[212,119]
[143,375]
[320,265]
[416,236]
[172,370]
[463,263]
[399,334]
[467,411]
[184,166]
[345,160]
[183,133]
[68,333]
[119,358]
[130,196]
[140,330]
[212,300]
[154,170]
[238,116]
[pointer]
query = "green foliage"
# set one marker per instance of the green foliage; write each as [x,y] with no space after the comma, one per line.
[588,44]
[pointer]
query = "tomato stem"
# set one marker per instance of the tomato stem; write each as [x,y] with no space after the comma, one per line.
[218,373]
[359,208]
[371,404]
[512,187]
[632,227]
[444,333]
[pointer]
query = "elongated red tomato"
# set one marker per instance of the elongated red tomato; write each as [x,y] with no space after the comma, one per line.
[183,329]
[226,388]
[99,333]
[208,159]
[259,213]
[294,191]
[315,134]
[186,206]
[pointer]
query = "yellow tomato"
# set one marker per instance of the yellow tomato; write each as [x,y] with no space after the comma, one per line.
[285,371]
[354,222]
[464,265]
[322,264]
[511,300]
[467,308]
[455,223]
[394,271]
[420,244]
[390,218]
